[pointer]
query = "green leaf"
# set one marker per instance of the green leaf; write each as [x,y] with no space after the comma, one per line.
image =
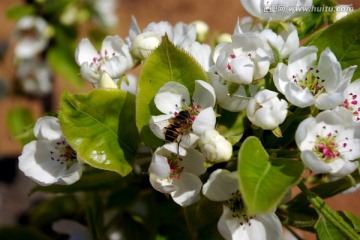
[351,219]
[304,218]
[327,231]
[166,63]
[20,123]
[345,44]
[264,182]
[100,126]
[62,62]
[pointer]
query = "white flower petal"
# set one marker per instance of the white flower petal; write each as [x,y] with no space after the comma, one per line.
[158,124]
[72,177]
[85,52]
[204,94]
[188,140]
[292,42]
[220,185]
[193,162]
[301,59]
[111,44]
[329,100]
[35,161]
[171,96]
[159,165]
[205,120]
[48,128]
[329,70]
[230,228]
[314,163]
[164,185]
[341,168]
[115,66]
[88,74]
[265,226]
[188,189]
[299,97]
[243,69]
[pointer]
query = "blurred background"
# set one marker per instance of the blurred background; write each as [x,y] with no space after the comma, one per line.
[24,101]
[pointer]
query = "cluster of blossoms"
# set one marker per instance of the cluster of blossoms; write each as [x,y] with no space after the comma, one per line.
[328,140]
[33,34]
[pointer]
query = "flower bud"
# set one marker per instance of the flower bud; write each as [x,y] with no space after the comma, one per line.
[202,30]
[224,37]
[145,43]
[214,146]
[266,110]
[107,82]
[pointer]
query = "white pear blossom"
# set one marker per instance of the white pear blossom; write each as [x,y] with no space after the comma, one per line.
[234,223]
[174,170]
[172,99]
[352,101]
[143,42]
[50,159]
[214,146]
[242,60]
[305,83]
[35,77]
[114,59]
[266,110]
[202,54]
[329,143]
[236,101]
[32,35]
[276,10]
[284,43]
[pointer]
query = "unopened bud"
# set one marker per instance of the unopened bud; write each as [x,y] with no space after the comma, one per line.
[202,30]
[145,43]
[214,146]
[107,82]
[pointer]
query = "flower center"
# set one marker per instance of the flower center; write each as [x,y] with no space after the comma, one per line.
[328,147]
[97,62]
[64,154]
[353,105]
[175,168]
[237,206]
[311,81]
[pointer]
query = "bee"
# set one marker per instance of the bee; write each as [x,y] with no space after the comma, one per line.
[178,125]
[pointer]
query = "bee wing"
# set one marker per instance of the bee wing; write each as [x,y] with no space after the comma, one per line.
[158,124]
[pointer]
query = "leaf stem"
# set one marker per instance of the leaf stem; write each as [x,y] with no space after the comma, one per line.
[323,209]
